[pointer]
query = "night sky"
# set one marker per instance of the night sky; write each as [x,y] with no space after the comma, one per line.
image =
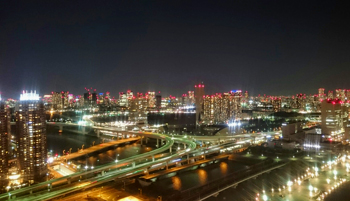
[273,47]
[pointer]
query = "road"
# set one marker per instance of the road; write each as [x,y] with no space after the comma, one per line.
[169,142]
[97,148]
[110,175]
[112,167]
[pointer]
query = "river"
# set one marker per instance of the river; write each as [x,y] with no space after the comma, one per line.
[57,142]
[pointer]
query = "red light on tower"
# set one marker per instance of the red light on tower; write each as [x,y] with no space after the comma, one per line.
[199,85]
[203,85]
[195,85]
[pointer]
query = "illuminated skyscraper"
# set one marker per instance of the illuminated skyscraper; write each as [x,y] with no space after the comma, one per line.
[94,98]
[340,94]
[87,98]
[276,104]
[199,97]
[222,108]
[334,117]
[321,94]
[4,142]
[107,100]
[31,133]
[191,99]
[330,95]
[158,102]
[126,98]
[150,96]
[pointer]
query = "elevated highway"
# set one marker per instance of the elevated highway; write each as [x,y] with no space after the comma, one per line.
[97,148]
[114,169]
[182,167]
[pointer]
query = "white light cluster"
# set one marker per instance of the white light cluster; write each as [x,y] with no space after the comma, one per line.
[313,146]
[188,107]
[234,124]
[29,96]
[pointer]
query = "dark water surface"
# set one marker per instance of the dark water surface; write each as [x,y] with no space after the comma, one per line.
[57,142]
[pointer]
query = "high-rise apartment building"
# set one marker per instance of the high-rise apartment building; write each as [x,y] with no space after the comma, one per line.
[276,104]
[87,99]
[330,95]
[94,98]
[31,134]
[151,100]
[125,98]
[222,108]
[4,143]
[334,117]
[60,100]
[321,94]
[340,94]
[199,98]
[107,99]
[158,102]
[246,95]
[191,99]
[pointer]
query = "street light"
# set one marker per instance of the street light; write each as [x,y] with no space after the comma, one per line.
[311,188]
[289,184]
[264,197]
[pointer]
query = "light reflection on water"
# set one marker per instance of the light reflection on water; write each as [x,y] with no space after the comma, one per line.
[188,179]
[203,176]
[176,182]
[223,168]
[58,142]
[114,154]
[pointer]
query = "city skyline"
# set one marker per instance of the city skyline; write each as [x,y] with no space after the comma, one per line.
[115,95]
[266,48]
[174,100]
